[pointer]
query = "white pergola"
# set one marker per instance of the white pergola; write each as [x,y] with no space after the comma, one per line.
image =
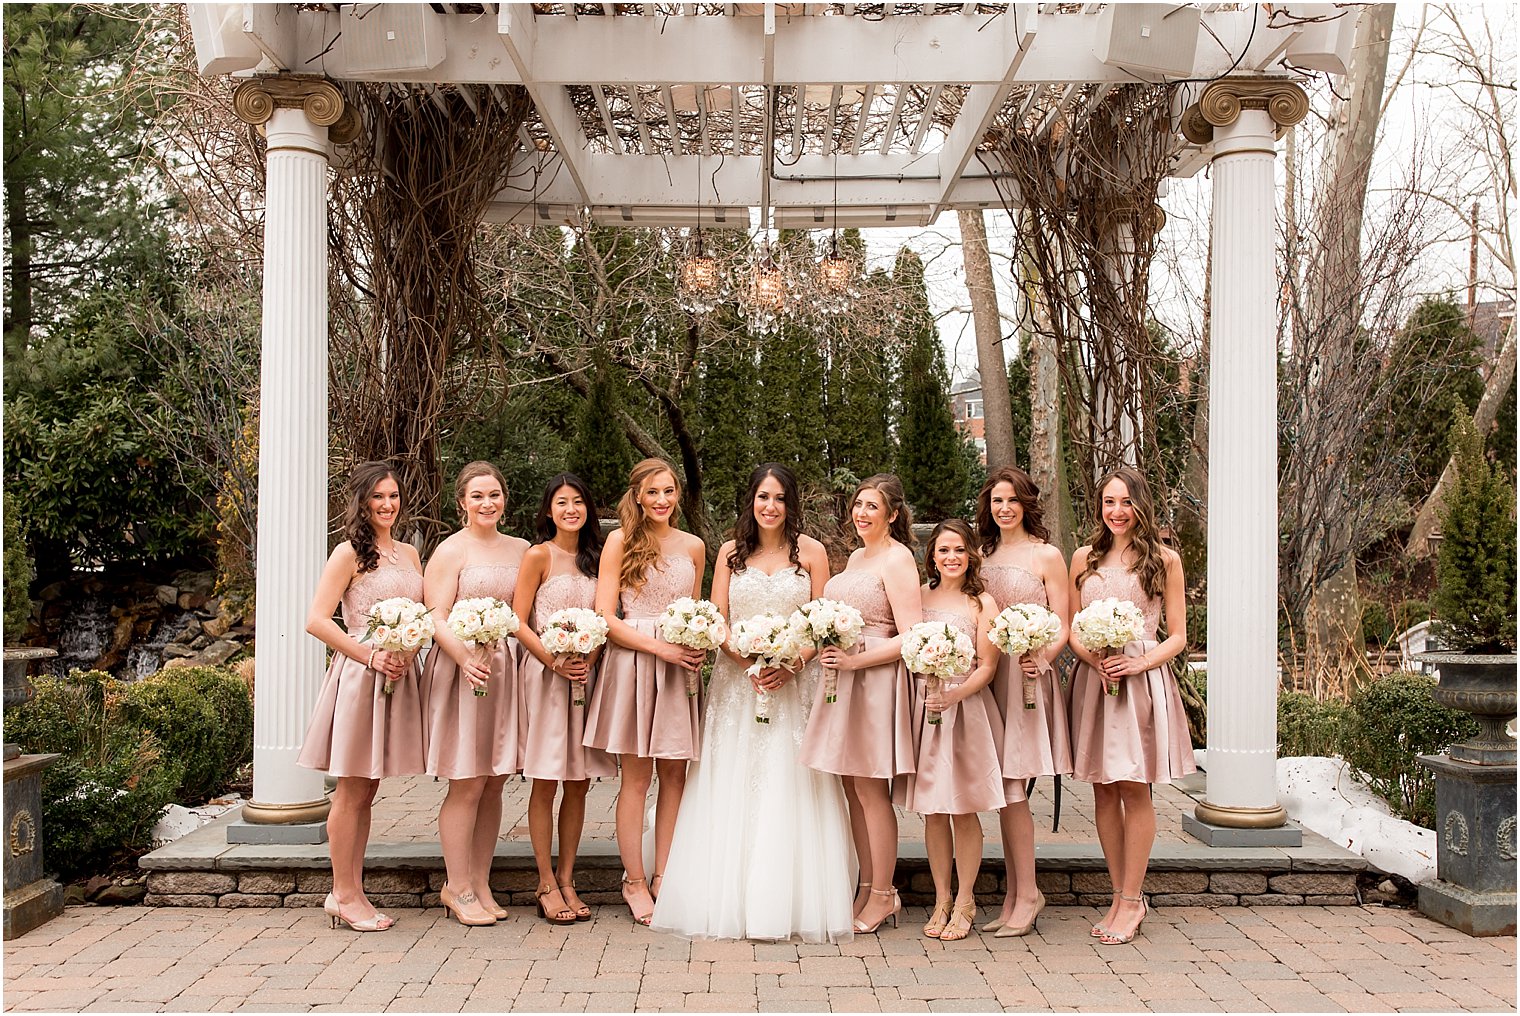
[674,114]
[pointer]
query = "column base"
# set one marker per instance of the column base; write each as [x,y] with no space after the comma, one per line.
[1473,913]
[1220,826]
[258,813]
[32,906]
[299,833]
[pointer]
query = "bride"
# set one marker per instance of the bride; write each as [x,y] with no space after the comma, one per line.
[762,845]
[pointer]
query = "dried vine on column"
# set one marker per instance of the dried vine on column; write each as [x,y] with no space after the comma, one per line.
[406,293]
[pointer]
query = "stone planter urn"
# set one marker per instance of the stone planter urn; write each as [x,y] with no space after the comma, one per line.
[1474,888]
[31,898]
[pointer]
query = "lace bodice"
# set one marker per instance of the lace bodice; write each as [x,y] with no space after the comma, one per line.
[1009,584]
[560,591]
[368,589]
[666,580]
[865,591]
[752,592]
[1119,582]
[498,580]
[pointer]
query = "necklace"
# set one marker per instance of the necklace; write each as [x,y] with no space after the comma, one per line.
[389,555]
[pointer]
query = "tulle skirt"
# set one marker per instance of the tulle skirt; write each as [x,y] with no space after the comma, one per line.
[471,735]
[552,727]
[867,731]
[762,846]
[957,770]
[640,705]
[358,730]
[1138,735]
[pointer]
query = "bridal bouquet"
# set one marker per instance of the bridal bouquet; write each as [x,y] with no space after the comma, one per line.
[1107,624]
[480,622]
[398,625]
[771,641]
[825,622]
[574,631]
[1021,629]
[939,651]
[695,624]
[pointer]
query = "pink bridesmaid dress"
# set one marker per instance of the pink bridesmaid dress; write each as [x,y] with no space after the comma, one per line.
[552,726]
[356,729]
[958,771]
[1036,742]
[472,735]
[1141,734]
[867,730]
[640,705]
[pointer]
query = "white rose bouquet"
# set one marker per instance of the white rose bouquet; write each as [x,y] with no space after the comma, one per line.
[398,625]
[771,641]
[695,624]
[574,631]
[939,651]
[824,622]
[1105,625]
[480,622]
[1021,629]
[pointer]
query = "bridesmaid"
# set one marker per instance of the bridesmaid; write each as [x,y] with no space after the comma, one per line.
[357,733]
[1020,566]
[958,772]
[864,736]
[472,740]
[1123,743]
[558,572]
[640,709]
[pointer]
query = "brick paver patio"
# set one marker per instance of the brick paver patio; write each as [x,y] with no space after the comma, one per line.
[1240,959]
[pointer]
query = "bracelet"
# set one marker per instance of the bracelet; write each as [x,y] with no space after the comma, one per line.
[371,664]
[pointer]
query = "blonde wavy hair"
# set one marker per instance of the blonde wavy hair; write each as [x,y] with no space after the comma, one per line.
[640,548]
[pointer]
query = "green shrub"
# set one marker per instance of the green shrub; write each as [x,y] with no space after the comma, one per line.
[18,581]
[1474,603]
[1306,726]
[101,799]
[204,719]
[1377,626]
[1391,721]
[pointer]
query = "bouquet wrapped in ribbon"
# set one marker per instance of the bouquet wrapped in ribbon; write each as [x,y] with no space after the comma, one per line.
[770,641]
[398,625]
[1105,625]
[695,624]
[1021,629]
[939,651]
[824,622]
[481,622]
[574,631]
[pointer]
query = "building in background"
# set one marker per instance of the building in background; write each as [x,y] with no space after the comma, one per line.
[966,402]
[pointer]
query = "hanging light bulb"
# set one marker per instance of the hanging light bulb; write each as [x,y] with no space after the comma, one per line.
[699,287]
[836,278]
[765,293]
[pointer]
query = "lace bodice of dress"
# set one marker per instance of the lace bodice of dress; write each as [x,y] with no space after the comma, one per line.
[1009,584]
[865,591]
[752,592]
[666,580]
[1119,582]
[558,592]
[368,589]
[498,580]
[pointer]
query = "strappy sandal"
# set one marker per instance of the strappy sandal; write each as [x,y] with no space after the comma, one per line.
[562,914]
[938,918]
[862,928]
[638,918]
[960,923]
[582,912]
[1110,938]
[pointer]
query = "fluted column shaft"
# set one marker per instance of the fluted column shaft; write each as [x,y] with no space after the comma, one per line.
[292,524]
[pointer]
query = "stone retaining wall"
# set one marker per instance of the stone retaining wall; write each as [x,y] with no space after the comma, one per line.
[308,887]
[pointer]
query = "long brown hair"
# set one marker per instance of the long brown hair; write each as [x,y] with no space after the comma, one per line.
[891,490]
[640,548]
[971,582]
[356,522]
[1028,496]
[747,527]
[1150,564]
[474,471]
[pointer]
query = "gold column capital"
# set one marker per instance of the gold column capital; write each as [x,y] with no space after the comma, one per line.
[256,99]
[1220,105]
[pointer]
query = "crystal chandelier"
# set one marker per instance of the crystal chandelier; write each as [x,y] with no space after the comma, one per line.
[699,285]
[765,293]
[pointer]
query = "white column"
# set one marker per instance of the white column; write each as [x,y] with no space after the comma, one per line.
[292,537]
[1242,710]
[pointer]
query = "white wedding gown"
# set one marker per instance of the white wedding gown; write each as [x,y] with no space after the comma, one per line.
[762,846]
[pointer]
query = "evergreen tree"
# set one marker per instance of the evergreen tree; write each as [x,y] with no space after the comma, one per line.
[1474,602]
[1433,373]
[1019,381]
[725,416]
[930,461]
[601,454]
[859,413]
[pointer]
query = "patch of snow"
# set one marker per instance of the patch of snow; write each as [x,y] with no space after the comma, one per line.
[1322,795]
[176,820]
